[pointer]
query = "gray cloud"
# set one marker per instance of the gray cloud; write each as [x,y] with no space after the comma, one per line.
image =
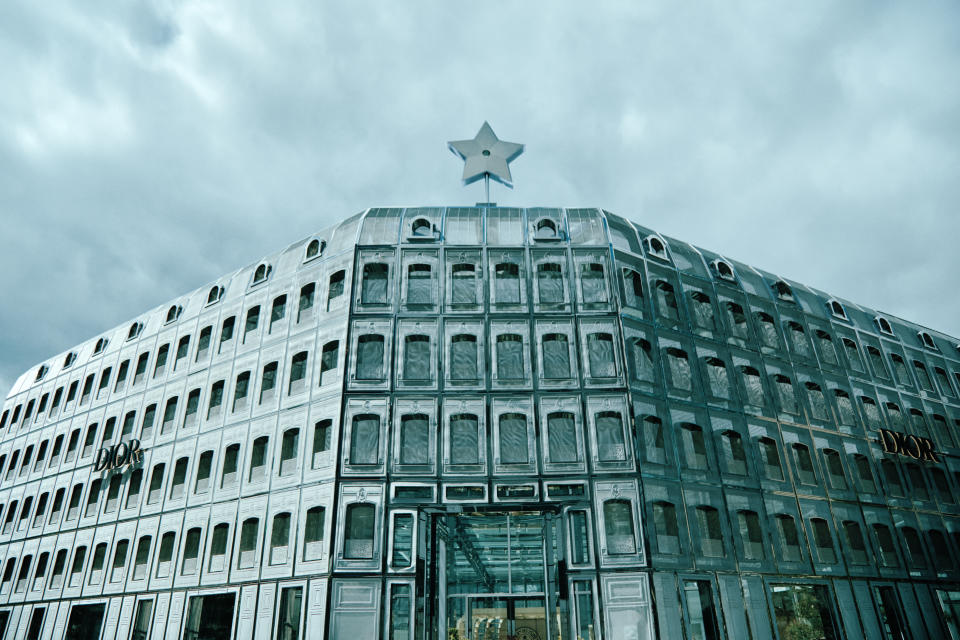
[148,148]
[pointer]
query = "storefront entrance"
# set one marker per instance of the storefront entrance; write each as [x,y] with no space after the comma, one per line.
[499,576]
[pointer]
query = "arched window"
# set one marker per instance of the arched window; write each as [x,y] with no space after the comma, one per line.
[717,377]
[678,366]
[611,441]
[702,310]
[173,313]
[507,283]
[751,535]
[248,543]
[415,439]
[298,373]
[100,346]
[365,439]
[463,357]
[886,545]
[783,291]
[416,358]
[804,464]
[789,538]
[329,358]
[374,286]
[464,284]
[632,289]
[666,301]
[550,283]
[464,438]
[218,548]
[734,454]
[69,359]
[165,553]
[419,284]
[335,287]
[823,541]
[770,459]
[892,477]
[313,534]
[643,368]
[927,340]
[694,447]
[315,249]
[656,247]
[600,352]
[837,309]
[711,532]
[510,357]
[918,559]
[280,539]
[723,269]
[370,357]
[818,401]
[768,330]
[562,443]
[883,325]
[358,543]
[834,466]
[855,542]
[593,287]
[545,229]
[261,273]
[258,459]
[289,450]
[514,448]
[191,552]
[216,292]
[665,525]
[134,331]
[421,228]
[619,527]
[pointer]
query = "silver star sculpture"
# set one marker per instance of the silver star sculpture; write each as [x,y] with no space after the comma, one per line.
[486,156]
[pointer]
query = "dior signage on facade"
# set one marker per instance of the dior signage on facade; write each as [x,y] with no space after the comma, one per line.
[118,455]
[911,446]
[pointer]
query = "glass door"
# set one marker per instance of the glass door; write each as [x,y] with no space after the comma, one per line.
[498,576]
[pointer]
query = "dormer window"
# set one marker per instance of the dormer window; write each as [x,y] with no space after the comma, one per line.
[42,371]
[70,359]
[100,346]
[837,309]
[723,269]
[173,313]
[545,229]
[216,292]
[261,273]
[656,247]
[783,291]
[135,330]
[422,229]
[927,340]
[884,325]
[315,249]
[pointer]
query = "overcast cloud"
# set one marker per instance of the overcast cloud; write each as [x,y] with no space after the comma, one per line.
[147,148]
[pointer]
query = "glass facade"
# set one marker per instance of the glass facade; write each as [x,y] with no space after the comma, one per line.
[488,422]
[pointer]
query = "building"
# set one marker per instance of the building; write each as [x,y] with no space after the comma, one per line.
[487,423]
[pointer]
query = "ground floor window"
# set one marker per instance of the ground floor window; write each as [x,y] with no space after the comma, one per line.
[950,606]
[803,611]
[85,622]
[209,617]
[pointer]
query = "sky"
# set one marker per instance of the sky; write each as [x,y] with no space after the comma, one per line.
[147,148]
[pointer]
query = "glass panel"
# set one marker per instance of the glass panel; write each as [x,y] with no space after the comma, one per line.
[592,283]
[610,439]
[507,282]
[562,437]
[365,439]
[803,611]
[463,356]
[619,527]
[702,622]
[288,616]
[600,350]
[415,439]
[550,283]
[374,290]
[359,532]
[464,439]
[370,357]
[513,439]
[556,356]
[416,358]
[399,612]
[419,284]
[402,552]
[510,357]
[464,286]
